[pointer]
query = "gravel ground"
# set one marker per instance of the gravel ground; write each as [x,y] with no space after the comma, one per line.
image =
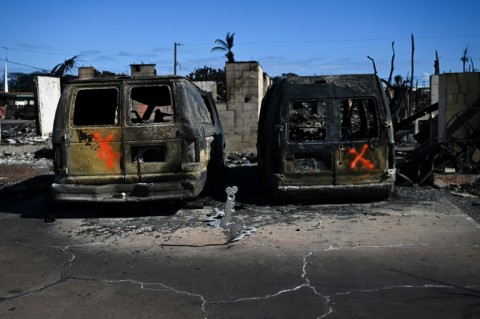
[15,168]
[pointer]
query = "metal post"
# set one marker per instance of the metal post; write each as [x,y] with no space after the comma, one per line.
[5,84]
[175,58]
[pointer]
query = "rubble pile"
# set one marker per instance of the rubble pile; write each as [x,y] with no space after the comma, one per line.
[22,133]
[40,159]
[457,152]
[240,159]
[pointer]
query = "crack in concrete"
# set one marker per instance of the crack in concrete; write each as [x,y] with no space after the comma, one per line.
[204,302]
[150,286]
[144,284]
[307,284]
[71,257]
[428,286]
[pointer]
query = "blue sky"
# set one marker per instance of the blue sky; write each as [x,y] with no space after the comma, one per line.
[303,37]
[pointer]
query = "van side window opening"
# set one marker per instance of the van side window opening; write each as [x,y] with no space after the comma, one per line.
[200,112]
[150,105]
[96,107]
[209,107]
[359,118]
[306,121]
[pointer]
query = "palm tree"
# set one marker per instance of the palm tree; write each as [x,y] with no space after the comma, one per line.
[226,45]
[62,68]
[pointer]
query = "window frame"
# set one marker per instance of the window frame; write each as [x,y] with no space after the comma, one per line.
[130,119]
[75,108]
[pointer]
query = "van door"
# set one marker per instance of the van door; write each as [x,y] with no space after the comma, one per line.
[152,144]
[361,153]
[310,148]
[93,143]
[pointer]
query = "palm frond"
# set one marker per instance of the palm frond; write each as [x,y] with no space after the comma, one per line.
[218,49]
[229,40]
[221,43]
[225,45]
[61,68]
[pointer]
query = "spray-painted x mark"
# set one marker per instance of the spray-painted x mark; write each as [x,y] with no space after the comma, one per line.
[359,158]
[106,151]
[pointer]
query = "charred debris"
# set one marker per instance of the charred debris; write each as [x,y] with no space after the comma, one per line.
[20,132]
[437,131]
[436,128]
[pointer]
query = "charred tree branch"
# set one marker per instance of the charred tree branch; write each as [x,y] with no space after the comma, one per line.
[411,82]
[392,67]
[374,66]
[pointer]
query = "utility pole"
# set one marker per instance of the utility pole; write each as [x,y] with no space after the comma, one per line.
[5,87]
[410,106]
[175,58]
[5,83]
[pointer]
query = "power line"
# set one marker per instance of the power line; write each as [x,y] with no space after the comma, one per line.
[348,40]
[33,67]
[34,51]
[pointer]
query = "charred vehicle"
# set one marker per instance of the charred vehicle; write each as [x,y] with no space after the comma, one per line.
[326,137]
[137,138]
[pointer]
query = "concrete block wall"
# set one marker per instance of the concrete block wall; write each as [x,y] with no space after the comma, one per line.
[455,92]
[246,84]
[208,86]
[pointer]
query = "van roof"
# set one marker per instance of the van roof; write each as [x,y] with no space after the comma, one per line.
[305,79]
[338,85]
[124,78]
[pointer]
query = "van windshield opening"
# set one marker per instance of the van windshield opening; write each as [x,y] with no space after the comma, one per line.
[96,107]
[150,105]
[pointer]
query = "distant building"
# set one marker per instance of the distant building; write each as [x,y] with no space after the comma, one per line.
[142,69]
[16,105]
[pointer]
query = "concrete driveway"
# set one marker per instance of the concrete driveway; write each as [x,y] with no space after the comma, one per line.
[405,258]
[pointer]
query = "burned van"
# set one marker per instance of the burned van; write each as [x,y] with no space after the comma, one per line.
[326,137]
[139,138]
